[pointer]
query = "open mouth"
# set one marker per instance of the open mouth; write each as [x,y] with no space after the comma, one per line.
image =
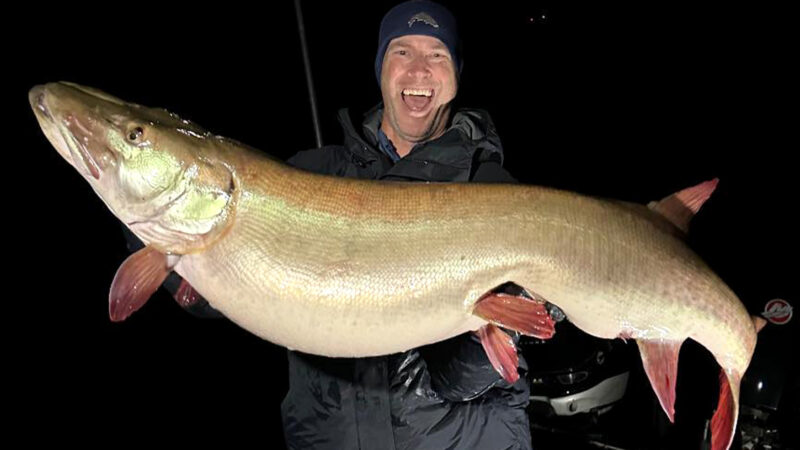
[80,147]
[417,99]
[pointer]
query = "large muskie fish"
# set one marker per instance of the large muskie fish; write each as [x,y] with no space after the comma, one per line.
[344,267]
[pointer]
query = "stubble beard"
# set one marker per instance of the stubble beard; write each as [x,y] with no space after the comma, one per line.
[435,126]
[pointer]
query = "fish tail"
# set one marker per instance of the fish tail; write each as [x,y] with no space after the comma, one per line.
[723,423]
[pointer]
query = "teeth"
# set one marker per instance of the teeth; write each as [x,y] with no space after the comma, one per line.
[425,92]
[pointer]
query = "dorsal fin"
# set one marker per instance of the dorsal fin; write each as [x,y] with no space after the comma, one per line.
[680,208]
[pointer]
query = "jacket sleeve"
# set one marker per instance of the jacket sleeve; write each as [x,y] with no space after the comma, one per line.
[201,309]
[325,160]
[459,367]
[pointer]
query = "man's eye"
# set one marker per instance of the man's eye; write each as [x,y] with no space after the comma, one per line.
[402,52]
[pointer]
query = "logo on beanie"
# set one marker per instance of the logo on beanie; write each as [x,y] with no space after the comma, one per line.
[424,18]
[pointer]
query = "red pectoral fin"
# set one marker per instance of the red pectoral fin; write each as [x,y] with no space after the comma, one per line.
[723,424]
[660,359]
[186,296]
[501,351]
[521,314]
[136,280]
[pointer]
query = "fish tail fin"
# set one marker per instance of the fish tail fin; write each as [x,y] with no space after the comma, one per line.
[758,323]
[723,423]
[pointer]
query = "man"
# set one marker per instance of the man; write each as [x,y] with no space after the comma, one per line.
[445,395]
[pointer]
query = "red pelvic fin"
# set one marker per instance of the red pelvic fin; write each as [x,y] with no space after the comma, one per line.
[136,280]
[521,314]
[723,424]
[660,360]
[501,351]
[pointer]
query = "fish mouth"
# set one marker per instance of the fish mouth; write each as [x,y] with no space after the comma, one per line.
[48,123]
[69,132]
[80,146]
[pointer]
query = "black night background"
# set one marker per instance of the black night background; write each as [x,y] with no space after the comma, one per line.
[633,102]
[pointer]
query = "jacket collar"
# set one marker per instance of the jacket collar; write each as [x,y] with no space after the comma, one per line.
[469,130]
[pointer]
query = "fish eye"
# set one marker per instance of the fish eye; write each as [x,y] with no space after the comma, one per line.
[135,134]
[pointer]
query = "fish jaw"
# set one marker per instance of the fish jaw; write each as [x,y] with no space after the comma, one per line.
[38,101]
[68,116]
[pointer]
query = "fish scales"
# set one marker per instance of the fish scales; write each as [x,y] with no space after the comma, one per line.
[348,268]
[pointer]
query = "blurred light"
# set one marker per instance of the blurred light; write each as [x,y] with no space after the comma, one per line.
[760,385]
[539,18]
[572,377]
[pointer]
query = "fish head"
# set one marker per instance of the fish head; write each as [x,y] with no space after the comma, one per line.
[159,174]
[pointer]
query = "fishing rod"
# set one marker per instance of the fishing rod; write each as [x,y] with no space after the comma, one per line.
[309,79]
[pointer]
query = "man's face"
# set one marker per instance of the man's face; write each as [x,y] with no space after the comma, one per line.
[418,81]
